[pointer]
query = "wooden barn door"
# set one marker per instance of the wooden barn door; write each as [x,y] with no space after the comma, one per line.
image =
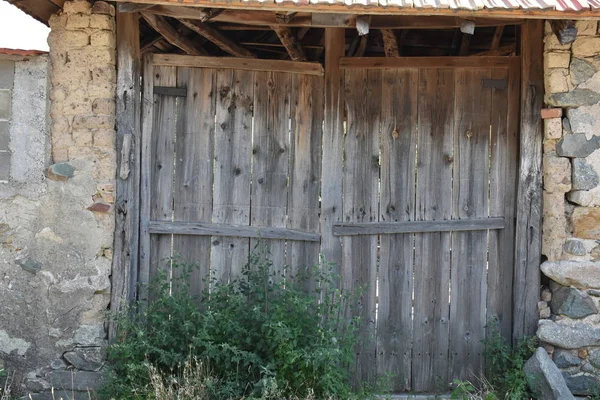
[428,202]
[230,157]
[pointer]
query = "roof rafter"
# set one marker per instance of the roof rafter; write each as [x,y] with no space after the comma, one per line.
[215,36]
[160,25]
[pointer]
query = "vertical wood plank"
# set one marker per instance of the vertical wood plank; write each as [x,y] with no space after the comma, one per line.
[192,189]
[361,204]
[162,169]
[233,147]
[529,192]
[398,155]
[333,147]
[128,144]
[432,250]
[271,157]
[305,170]
[469,249]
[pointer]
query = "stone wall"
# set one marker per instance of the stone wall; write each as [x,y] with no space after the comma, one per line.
[56,217]
[569,306]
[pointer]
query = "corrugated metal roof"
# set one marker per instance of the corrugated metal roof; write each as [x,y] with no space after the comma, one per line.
[22,53]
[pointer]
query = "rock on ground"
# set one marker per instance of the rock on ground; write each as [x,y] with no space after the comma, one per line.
[544,378]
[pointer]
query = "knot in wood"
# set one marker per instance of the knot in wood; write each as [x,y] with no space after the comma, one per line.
[469,133]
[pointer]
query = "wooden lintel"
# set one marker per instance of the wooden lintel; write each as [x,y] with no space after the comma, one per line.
[160,25]
[423,62]
[249,64]
[245,231]
[390,43]
[565,31]
[215,36]
[290,42]
[389,228]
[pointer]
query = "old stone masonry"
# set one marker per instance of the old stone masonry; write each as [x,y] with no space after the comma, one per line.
[570,302]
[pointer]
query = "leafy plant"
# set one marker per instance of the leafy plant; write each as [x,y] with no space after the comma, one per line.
[260,336]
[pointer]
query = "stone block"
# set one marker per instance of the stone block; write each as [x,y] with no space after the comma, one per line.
[551,43]
[572,303]
[557,59]
[584,175]
[544,378]
[77,21]
[103,39]
[594,358]
[106,74]
[4,165]
[553,127]
[585,119]
[550,146]
[68,40]
[79,381]
[571,335]
[582,384]
[83,137]
[77,7]
[566,358]
[86,358]
[104,107]
[92,56]
[5,104]
[60,172]
[548,113]
[586,223]
[586,46]
[7,74]
[104,138]
[554,225]
[579,274]
[60,154]
[101,90]
[102,7]
[102,21]
[581,71]
[586,28]
[575,247]
[557,174]
[556,81]
[574,98]
[94,122]
[577,145]
[4,135]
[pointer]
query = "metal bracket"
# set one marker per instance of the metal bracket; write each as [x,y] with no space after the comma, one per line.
[170,91]
[494,83]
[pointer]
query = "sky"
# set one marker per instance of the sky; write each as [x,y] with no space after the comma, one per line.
[19,31]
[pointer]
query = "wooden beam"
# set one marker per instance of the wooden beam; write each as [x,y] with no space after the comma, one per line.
[289,41]
[201,14]
[213,35]
[148,44]
[389,228]
[565,31]
[465,41]
[362,46]
[390,43]
[160,25]
[423,62]
[134,7]
[497,37]
[128,144]
[245,231]
[526,284]
[294,67]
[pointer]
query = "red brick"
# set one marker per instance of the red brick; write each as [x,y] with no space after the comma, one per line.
[551,113]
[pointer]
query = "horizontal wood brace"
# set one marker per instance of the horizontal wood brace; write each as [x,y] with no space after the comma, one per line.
[245,231]
[170,91]
[249,64]
[425,62]
[388,228]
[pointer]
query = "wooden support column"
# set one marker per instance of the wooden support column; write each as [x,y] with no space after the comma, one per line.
[126,241]
[390,43]
[289,41]
[333,144]
[529,193]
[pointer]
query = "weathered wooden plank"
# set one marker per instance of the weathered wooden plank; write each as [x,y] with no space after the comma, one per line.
[230,230]
[194,171]
[390,228]
[397,205]
[218,38]
[432,250]
[333,147]
[162,26]
[305,169]
[128,144]
[472,110]
[359,267]
[529,192]
[233,149]
[292,67]
[503,167]
[422,62]
[162,169]
[290,42]
[270,151]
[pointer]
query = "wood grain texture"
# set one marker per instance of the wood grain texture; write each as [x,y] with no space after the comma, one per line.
[432,250]
[529,193]
[290,42]
[421,62]
[217,37]
[397,205]
[472,110]
[389,228]
[162,26]
[233,152]
[361,204]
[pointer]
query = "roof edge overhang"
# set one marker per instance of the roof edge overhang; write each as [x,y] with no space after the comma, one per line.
[340,8]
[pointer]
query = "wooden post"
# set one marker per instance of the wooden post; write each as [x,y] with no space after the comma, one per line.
[126,242]
[529,193]
[333,144]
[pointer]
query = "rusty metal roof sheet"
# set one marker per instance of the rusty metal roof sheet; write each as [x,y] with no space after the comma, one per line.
[22,53]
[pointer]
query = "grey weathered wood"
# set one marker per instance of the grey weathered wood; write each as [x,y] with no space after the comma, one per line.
[146,178]
[432,250]
[233,149]
[472,110]
[243,231]
[162,26]
[359,268]
[529,192]
[192,188]
[128,144]
[390,228]
[333,142]
[218,38]
[133,7]
[397,206]
[170,91]
[305,169]
[422,62]
[271,148]
[290,42]
[162,169]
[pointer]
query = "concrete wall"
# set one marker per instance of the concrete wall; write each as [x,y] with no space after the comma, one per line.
[56,218]
[569,306]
